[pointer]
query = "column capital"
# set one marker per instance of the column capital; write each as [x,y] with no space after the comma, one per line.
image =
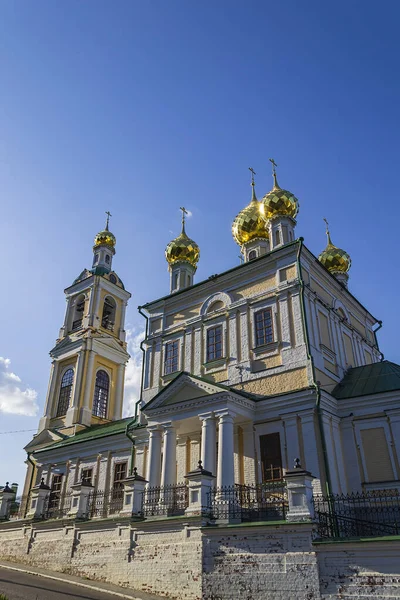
[170,426]
[207,417]
[307,417]
[225,417]
[154,430]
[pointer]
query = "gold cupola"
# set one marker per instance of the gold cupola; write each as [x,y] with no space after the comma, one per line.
[250,223]
[105,237]
[336,260]
[279,202]
[182,249]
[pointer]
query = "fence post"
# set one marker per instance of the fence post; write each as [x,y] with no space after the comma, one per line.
[133,494]
[39,495]
[7,496]
[200,482]
[80,500]
[300,494]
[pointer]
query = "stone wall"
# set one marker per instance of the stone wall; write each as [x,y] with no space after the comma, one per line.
[181,560]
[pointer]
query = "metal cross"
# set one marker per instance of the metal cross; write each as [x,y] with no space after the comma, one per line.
[274,165]
[327,225]
[184,212]
[108,217]
[252,171]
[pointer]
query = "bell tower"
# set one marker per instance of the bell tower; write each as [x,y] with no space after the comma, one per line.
[88,361]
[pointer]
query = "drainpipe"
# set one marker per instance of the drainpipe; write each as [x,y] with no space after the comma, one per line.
[315,384]
[129,436]
[376,340]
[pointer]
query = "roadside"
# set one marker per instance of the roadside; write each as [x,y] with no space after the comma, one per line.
[21,581]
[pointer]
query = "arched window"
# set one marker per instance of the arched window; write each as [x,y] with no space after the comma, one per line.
[252,255]
[108,318]
[101,390]
[107,258]
[67,382]
[78,313]
[277,237]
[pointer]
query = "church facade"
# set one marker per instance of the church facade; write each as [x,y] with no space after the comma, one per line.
[269,365]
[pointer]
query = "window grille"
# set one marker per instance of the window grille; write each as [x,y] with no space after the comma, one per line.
[86,476]
[263,326]
[101,390]
[214,343]
[65,392]
[171,357]
[120,470]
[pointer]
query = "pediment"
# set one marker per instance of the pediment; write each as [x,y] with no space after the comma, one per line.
[182,389]
[109,342]
[42,439]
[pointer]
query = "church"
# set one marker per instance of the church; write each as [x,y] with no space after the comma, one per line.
[271,365]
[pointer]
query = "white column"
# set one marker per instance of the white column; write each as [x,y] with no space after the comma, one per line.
[119,392]
[208,443]
[225,473]
[168,473]
[72,412]
[338,453]
[122,322]
[86,413]
[352,469]
[154,462]
[311,449]
[49,406]
[292,440]
[249,459]
[394,420]
[331,455]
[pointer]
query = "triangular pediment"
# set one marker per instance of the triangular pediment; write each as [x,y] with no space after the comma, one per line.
[44,438]
[109,342]
[183,388]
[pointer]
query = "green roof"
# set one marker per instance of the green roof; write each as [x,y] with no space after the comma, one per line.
[377,378]
[91,433]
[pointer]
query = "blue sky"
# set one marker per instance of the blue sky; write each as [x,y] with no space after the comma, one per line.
[142,107]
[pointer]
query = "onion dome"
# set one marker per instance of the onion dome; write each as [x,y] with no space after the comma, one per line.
[105,237]
[333,258]
[279,202]
[250,223]
[182,248]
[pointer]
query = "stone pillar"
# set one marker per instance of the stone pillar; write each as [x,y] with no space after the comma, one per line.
[39,495]
[331,453]
[292,439]
[86,416]
[133,495]
[7,497]
[310,445]
[194,450]
[200,482]
[122,322]
[154,462]
[249,462]
[168,473]
[80,502]
[225,472]
[352,469]
[208,443]
[119,392]
[299,488]
[49,406]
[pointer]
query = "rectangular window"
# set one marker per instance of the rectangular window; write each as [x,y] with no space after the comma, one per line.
[86,476]
[55,492]
[271,459]
[171,357]
[214,343]
[119,475]
[263,325]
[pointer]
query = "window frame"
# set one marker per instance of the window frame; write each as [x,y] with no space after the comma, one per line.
[265,338]
[211,345]
[66,402]
[101,402]
[87,479]
[171,361]
[117,481]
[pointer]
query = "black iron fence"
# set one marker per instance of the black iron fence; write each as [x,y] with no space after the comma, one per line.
[105,503]
[366,514]
[57,506]
[258,502]
[169,500]
[18,507]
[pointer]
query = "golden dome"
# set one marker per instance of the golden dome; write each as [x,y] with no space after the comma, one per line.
[334,259]
[105,236]
[182,248]
[279,202]
[250,222]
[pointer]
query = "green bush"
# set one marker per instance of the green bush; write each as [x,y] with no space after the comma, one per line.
[3,597]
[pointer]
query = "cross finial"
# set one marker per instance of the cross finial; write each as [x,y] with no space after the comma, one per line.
[108,218]
[252,171]
[327,231]
[184,213]
[274,165]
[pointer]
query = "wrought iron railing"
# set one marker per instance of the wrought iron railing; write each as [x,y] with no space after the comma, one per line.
[258,502]
[169,500]
[367,514]
[57,506]
[105,503]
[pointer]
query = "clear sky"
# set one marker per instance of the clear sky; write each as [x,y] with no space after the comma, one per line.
[141,107]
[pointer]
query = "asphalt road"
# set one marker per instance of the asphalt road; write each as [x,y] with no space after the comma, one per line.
[21,586]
